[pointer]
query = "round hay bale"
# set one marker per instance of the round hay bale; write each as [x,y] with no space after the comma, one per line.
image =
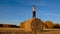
[33,24]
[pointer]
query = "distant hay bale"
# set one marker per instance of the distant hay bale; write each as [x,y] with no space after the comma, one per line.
[22,25]
[49,24]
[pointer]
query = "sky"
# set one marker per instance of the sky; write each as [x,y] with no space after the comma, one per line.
[16,11]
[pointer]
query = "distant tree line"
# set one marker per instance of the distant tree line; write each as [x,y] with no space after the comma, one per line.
[9,26]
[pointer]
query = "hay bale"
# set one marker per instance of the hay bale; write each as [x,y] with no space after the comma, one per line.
[33,24]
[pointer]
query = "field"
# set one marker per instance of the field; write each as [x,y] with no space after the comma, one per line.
[21,31]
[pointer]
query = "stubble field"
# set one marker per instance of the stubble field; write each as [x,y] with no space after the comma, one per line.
[21,31]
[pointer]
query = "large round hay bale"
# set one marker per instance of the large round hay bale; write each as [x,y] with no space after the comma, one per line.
[33,24]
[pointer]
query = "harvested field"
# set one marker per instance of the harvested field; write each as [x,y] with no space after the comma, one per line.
[21,31]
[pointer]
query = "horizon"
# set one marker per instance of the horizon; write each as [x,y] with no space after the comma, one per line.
[16,11]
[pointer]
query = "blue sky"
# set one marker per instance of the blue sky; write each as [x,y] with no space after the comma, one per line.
[16,11]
